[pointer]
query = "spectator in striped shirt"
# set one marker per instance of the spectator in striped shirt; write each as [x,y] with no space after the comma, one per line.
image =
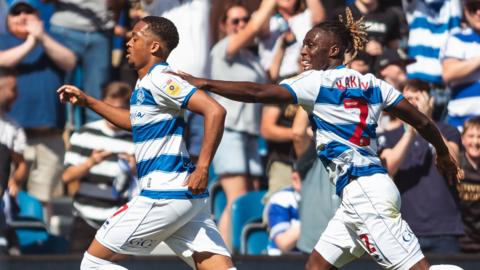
[12,145]
[461,67]
[100,160]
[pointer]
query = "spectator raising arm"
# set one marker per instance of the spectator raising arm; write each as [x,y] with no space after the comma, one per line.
[243,37]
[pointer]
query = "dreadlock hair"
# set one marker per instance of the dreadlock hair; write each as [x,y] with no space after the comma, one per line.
[164,29]
[350,33]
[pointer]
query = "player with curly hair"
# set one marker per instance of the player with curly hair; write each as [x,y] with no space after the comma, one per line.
[344,107]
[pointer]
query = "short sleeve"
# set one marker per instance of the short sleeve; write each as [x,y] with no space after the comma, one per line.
[73,157]
[278,219]
[304,87]
[390,96]
[453,49]
[171,90]
[19,141]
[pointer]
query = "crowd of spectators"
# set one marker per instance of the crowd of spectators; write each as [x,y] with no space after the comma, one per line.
[428,49]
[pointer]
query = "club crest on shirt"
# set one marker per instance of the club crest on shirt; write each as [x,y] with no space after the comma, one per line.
[140,96]
[172,88]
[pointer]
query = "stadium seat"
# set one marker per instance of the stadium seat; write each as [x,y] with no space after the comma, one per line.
[246,209]
[254,240]
[31,231]
[218,201]
[29,206]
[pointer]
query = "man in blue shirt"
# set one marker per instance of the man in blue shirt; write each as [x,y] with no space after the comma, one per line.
[40,61]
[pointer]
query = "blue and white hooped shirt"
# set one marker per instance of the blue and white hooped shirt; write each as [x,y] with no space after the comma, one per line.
[157,116]
[344,107]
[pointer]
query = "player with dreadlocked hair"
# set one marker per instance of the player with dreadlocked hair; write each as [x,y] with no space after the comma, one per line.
[344,107]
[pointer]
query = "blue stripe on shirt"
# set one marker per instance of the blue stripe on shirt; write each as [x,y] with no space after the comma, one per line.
[158,130]
[472,37]
[187,98]
[147,98]
[345,131]
[466,91]
[164,163]
[425,51]
[426,77]
[335,96]
[292,92]
[436,28]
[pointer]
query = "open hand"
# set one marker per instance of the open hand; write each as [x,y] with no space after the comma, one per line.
[197,82]
[70,93]
[449,168]
[197,181]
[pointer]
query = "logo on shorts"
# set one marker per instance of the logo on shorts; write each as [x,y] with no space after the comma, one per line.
[140,242]
[408,236]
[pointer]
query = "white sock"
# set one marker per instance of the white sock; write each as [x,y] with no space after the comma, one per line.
[445,267]
[90,262]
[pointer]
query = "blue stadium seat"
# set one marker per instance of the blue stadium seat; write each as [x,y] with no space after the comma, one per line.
[254,239]
[29,206]
[218,201]
[246,209]
[31,231]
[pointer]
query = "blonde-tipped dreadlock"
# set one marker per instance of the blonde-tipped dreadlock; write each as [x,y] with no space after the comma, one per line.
[357,31]
[349,33]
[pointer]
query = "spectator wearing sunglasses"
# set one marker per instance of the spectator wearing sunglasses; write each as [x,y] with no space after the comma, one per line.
[461,67]
[237,161]
[40,61]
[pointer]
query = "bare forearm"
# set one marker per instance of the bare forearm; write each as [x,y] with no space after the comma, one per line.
[318,11]
[277,133]
[395,156]
[61,56]
[20,173]
[454,69]
[213,123]
[249,91]
[13,56]
[77,172]
[287,240]
[117,116]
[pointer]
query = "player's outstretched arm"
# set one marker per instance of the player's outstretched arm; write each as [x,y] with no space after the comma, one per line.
[118,116]
[214,118]
[242,91]
[446,163]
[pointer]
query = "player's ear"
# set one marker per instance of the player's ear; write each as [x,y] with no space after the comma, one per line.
[156,47]
[334,51]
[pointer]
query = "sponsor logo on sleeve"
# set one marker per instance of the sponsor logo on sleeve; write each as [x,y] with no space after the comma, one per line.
[172,88]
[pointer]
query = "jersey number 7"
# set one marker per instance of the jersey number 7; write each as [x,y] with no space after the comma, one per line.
[357,133]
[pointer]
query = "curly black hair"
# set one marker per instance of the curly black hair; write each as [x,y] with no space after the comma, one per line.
[164,29]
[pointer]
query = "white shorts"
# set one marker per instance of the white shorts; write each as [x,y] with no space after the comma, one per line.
[369,220]
[141,224]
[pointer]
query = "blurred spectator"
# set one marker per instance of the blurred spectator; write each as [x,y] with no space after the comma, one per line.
[283,218]
[101,160]
[362,62]
[430,22]
[429,200]
[12,145]
[237,161]
[469,187]
[293,19]
[317,189]
[86,27]
[383,25]
[194,30]
[391,67]
[276,129]
[461,67]
[40,60]
[3,16]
